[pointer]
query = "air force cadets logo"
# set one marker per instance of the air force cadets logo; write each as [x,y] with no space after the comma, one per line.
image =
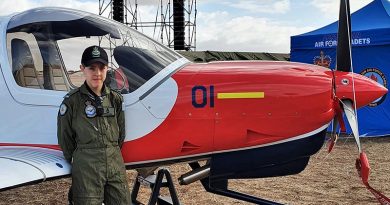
[322,60]
[90,110]
[376,75]
[63,109]
[95,52]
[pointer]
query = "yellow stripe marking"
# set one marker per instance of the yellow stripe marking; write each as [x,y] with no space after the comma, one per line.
[247,95]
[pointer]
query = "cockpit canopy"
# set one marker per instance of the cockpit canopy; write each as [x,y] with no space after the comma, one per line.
[45,46]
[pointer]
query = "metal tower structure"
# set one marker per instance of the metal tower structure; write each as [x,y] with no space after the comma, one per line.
[174,22]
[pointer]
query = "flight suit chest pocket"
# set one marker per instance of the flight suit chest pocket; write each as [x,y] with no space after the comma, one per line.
[87,129]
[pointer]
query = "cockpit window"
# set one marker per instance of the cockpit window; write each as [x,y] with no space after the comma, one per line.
[35,64]
[62,36]
[23,66]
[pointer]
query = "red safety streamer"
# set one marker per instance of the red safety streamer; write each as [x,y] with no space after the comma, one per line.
[383,200]
[363,169]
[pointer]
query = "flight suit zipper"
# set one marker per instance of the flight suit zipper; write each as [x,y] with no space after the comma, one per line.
[97,130]
[100,123]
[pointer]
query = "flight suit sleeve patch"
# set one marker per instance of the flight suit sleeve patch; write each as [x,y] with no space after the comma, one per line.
[63,109]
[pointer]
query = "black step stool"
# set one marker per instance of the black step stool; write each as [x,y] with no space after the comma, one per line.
[156,182]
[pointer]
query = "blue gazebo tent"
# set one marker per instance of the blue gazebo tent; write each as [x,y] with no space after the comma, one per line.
[370,55]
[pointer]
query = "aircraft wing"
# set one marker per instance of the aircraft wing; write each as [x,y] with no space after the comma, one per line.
[22,165]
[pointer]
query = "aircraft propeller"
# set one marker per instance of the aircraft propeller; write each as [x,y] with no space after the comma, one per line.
[344,63]
[348,106]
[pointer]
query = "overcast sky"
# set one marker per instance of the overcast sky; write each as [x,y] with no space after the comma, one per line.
[229,25]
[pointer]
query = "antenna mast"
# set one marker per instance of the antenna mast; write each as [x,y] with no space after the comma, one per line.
[174,24]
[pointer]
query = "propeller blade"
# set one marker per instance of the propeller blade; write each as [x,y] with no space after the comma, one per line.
[339,114]
[337,121]
[344,58]
[334,135]
[362,163]
[351,117]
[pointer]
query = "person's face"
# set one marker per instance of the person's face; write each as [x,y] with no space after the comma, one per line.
[95,74]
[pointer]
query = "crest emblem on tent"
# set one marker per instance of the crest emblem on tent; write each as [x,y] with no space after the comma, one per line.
[322,60]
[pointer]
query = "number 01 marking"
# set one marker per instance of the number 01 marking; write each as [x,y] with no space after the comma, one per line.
[203,101]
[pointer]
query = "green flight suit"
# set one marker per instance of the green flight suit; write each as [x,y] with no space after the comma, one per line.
[91,143]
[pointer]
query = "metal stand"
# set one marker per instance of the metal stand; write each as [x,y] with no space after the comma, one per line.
[70,196]
[156,182]
[220,187]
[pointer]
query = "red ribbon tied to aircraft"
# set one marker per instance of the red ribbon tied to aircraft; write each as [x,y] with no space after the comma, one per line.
[363,169]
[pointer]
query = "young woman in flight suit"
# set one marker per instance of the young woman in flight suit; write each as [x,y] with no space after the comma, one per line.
[91,130]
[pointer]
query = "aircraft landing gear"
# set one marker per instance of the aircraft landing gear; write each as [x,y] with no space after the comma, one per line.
[220,187]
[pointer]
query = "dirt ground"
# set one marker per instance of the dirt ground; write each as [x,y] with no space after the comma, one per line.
[328,179]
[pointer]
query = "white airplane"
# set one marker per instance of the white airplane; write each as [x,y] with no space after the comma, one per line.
[40,48]
[229,113]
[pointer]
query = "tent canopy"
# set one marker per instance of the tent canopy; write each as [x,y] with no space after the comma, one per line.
[370,26]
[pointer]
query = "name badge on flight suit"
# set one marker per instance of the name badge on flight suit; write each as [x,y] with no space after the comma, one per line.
[108,112]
